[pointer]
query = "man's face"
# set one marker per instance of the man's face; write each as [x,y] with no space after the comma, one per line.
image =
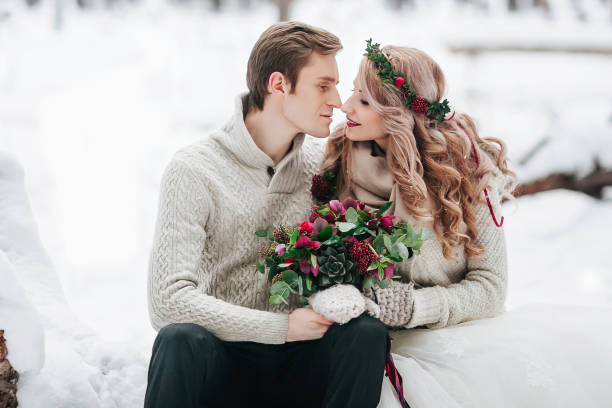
[310,106]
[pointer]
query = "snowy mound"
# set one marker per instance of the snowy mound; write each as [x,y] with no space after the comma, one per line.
[80,369]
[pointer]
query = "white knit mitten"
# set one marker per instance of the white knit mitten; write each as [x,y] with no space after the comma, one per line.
[340,303]
[396,302]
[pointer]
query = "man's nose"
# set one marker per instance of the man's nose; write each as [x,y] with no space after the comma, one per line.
[335,101]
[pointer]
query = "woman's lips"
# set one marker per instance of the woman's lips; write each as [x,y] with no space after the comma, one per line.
[351,123]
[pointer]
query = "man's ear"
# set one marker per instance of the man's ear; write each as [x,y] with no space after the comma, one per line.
[278,84]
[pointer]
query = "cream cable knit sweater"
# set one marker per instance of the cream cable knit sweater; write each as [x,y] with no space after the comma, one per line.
[214,195]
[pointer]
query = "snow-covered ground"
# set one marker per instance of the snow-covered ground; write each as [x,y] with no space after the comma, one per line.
[94,111]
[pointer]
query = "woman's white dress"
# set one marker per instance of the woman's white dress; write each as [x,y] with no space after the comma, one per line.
[533,356]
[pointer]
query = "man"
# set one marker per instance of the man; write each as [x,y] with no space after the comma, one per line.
[220,342]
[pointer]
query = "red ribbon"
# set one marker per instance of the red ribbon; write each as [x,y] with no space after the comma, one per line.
[486,193]
[396,380]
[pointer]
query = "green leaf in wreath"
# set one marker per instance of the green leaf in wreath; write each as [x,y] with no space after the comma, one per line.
[308,283]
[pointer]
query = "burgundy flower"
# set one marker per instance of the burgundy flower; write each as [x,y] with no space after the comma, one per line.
[315,270]
[373,225]
[306,267]
[350,202]
[305,228]
[349,240]
[318,225]
[314,213]
[337,207]
[289,261]
[388,271]
[314,244]
[387,223]
[302,241]
[320,188]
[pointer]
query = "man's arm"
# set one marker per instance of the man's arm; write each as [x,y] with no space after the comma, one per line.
[174,291]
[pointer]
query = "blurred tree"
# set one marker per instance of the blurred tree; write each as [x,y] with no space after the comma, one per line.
[283,9]
[515,5]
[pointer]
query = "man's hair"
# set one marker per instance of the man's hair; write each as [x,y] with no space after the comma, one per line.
[284,47]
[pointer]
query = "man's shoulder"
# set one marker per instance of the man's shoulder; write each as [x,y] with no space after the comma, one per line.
[202,153]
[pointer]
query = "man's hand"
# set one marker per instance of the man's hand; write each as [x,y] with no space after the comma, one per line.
[306,324]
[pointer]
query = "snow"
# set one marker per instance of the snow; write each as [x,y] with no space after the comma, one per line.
[90,115]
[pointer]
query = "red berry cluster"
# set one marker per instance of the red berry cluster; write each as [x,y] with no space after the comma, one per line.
[419,105]
[361,253]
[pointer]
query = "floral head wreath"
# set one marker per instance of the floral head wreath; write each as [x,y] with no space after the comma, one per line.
[436,110]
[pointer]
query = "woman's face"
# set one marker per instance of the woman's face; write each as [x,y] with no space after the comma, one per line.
[363,122]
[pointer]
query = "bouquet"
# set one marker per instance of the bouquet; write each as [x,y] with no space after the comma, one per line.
[340,243]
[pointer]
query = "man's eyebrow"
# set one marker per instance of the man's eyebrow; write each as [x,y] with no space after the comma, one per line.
[329,79]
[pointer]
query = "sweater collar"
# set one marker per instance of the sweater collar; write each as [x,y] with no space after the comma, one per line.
[236,139]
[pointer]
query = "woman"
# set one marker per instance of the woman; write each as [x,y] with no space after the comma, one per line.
[401,144]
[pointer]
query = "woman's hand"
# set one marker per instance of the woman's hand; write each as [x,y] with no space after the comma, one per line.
[396,302]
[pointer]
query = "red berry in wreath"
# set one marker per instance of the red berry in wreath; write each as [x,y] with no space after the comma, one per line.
[419,105]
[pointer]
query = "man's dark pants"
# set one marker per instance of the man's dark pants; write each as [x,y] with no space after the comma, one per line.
[192,368]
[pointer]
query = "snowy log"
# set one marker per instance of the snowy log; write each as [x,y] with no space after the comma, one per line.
[592,184]
[477,49]
[8,377]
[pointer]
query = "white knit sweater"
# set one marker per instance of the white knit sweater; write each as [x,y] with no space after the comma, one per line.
[214,195]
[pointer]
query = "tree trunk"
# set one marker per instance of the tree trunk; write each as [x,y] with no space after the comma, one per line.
[283,9]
